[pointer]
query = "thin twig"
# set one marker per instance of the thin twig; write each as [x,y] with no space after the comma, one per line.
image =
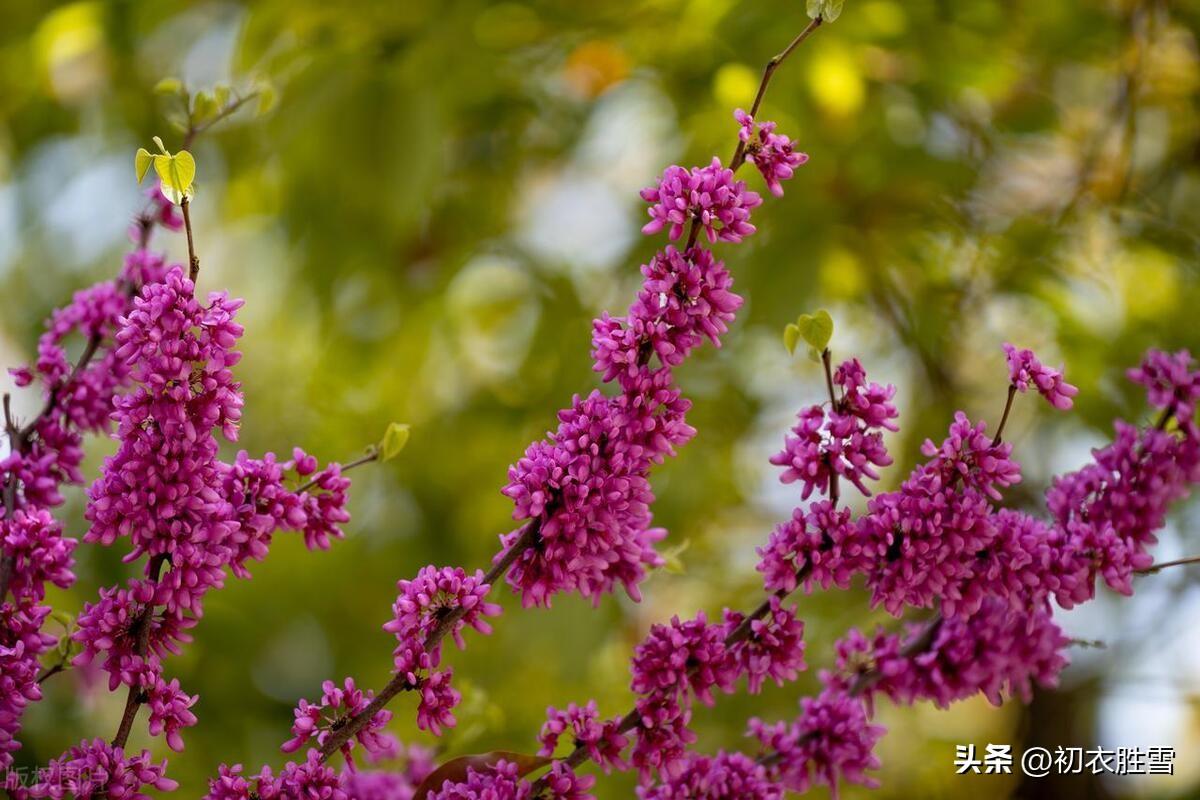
[1008,404]
[739,155]
[1179,562]
[193,259]
[399,682]
[141,625]
[196,130]
[358,462]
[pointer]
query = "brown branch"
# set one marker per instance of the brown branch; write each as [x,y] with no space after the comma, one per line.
[19,439]
[195,130]
[1008,404]
[141,626]
[399,683]
[193,259]
[739,155]
[1179,562]
[373,455]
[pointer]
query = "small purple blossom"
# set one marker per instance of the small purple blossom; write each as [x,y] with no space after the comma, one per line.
[424,601]
[709,195]
[995,652]
[773,153]
[438,699]
[96,770]
[831,742]
[682,658]
[846,440]
[773,649]
[1172,382]
[40,553]
[725,776]
[820,546]
[603,739]
[1026,372]
[339,703]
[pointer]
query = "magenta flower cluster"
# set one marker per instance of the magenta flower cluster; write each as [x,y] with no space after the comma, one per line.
[96,770]
[831,742]
[338,704]
[158,364]
[845,441]
[1026,373]
[708,195]
[725,775]
[423,605]
[772,153]
[309,779]
[602,738]
[44,455]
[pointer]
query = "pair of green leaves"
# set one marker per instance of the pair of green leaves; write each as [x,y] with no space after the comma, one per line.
[815,329]
[827,10]
[176,171]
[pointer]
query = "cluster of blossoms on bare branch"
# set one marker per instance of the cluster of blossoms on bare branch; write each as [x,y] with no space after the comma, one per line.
[156,374]
[983,580]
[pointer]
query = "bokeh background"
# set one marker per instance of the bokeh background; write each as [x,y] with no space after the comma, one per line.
[446,193]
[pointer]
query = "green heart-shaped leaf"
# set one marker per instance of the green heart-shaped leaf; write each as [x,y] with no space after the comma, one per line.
[394,440]
[791,337]
[816,329]
[176,173]
[204,107]
[833,10]
[141,162]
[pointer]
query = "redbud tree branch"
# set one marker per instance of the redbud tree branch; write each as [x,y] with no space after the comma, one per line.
[20,438]
[446,622]
[531,531]
[141,626]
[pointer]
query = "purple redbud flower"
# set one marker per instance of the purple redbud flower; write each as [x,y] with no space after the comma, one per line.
[1025,372]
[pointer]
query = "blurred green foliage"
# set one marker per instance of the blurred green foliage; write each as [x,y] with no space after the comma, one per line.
[445,194]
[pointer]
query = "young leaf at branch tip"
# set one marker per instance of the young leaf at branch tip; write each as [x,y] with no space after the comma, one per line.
[816,329]
[204,107]
[176,173]
[266,98]
[169,86]
[672,562]
[394,440]
[826,10]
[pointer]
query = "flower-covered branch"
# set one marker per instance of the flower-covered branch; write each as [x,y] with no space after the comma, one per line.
[978,582]
[158,363]
[585,490]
